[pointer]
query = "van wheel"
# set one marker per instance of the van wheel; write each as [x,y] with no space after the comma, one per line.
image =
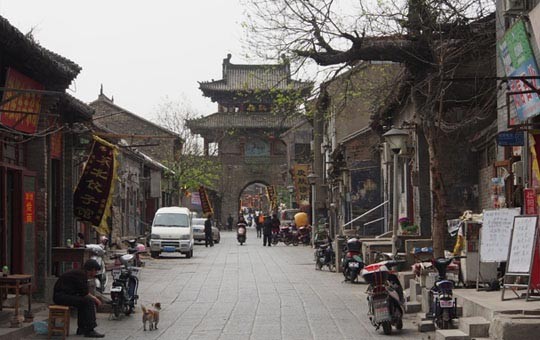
[189,254]
[154,254]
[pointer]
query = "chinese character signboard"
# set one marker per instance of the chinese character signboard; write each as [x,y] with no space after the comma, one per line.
[29,211]
[93,195]
[205,202]
[20,111]
[272,198]
[518,60]
[195,198]
[531,207]
[301,184]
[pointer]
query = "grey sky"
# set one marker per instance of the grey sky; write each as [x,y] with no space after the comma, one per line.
[141,51]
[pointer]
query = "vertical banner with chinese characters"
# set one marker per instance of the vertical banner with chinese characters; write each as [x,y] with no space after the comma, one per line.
[205,202]
[29,211]
[20,110]
[93,195]
[301,184]
[272,198]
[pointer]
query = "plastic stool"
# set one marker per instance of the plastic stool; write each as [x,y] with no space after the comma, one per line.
[59,313]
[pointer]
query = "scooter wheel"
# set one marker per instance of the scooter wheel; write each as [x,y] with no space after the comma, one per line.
[387,327]
[399,324]
[318,265]
[116,310]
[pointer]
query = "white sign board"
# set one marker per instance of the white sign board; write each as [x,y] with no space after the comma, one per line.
[522,247]
[495,234]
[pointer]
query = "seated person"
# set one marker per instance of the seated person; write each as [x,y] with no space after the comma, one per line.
[71,289]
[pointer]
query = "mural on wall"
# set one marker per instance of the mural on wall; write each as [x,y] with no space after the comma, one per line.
[257,148]
[366,191]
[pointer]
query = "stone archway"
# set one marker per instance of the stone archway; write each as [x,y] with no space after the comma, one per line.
[258,188]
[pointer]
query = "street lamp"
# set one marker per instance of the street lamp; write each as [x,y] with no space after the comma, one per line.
[290,188]
[312,179]
[397,139]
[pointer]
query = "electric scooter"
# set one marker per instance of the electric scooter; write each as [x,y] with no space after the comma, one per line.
[241,235]
[443,306]
[385,296]
[124,287]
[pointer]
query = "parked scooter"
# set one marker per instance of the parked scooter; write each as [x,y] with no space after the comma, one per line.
[352,262]
[385,296]
[443,306]
[325,256]
[304,235]
[98,253]
[124,287]
[241,234]
[136,248]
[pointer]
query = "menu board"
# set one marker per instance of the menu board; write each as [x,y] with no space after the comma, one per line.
[522,246]
[495,234]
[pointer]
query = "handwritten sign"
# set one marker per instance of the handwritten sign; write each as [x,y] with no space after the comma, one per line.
[495,234]
[523,241]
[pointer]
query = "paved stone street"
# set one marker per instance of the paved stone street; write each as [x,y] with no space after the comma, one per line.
[249,292]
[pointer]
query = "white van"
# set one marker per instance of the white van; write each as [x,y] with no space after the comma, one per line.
[172,232]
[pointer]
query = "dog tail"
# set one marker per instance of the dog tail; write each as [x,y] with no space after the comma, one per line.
[143,309]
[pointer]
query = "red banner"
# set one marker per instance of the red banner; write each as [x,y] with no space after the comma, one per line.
[205,202]
[21,110]
[29,210]
[531,208]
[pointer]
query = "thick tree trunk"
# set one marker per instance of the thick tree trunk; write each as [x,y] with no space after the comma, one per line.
[438,192]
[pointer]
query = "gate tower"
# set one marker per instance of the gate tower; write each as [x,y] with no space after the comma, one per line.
[254,108]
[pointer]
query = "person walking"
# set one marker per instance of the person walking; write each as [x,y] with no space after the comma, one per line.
[71,289]
[267,231]
[208,240]
[229,222]
[259,224]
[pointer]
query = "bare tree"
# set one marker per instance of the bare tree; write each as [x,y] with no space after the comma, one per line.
[193,168]
[436,40]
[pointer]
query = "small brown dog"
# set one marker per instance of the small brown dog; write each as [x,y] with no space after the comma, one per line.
[151,315]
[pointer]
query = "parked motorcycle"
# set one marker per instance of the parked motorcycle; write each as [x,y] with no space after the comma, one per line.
[443,306]
[325,256]
[241,234]
[124,287]
[352,262]
[98,253]
[385,296]
[304,235]
[136,248]
[284,235]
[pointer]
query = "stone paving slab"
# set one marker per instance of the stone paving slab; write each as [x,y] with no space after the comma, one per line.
[249,292]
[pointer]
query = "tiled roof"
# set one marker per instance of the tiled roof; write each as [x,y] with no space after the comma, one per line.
[229,120]
[254,77]
[73,103]
[35,57]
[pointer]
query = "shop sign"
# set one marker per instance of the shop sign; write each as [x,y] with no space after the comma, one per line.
[511,138]
[301,184]
[272,198]
[195,198]
[20,111]
[29,203]
[205,202]
[518,59]
[531,207]
[93,195]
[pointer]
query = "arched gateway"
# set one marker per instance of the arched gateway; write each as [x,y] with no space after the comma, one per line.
[248,125]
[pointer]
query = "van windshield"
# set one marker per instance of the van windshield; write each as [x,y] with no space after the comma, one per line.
[171,220]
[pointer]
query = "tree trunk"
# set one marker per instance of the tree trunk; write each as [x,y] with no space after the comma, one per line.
[438,233]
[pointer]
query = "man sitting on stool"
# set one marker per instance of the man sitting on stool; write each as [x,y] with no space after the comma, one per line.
[71,289]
